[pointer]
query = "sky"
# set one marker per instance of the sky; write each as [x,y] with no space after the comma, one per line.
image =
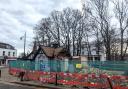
[20,16]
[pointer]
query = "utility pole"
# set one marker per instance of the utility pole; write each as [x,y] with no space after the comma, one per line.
[24,43]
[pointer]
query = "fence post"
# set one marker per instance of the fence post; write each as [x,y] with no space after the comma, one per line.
[100,70]
[111,87]
[22,76]
[56,80]
[0,73]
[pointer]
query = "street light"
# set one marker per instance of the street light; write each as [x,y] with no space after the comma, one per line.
[24,41]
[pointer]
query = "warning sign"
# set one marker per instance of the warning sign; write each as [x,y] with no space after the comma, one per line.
[78,65]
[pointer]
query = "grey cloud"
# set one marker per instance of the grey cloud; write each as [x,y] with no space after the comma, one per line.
[19,16]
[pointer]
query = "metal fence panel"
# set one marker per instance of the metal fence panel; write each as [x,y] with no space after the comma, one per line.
[70,66]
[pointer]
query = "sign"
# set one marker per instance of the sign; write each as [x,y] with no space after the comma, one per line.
[43,66]
[78,65]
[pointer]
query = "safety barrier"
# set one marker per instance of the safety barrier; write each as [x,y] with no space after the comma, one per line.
[74,79]
[74,73]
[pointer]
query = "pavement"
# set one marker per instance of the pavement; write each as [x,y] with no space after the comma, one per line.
[6,77]
[10,82]
[7,86]
[14,86]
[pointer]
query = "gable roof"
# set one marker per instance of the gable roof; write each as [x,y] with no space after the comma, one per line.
[58,50]
[52,52]
[49,52]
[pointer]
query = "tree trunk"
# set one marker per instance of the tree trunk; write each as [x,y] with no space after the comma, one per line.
[121,55]
[58,36]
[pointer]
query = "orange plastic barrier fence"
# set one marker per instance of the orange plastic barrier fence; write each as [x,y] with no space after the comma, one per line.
[85,80]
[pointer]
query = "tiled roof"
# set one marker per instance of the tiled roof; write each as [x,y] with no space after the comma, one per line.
[51,52]
[58,50]
[48,51]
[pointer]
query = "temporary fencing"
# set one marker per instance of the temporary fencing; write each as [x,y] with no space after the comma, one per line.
[74,73]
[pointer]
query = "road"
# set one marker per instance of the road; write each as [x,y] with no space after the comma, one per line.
[13,86]
[5,80]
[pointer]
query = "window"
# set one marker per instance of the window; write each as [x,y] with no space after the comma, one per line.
[90,58]
[8,53]
[97,58]
[83,53]
[13,53]
[3,53]
[75,53]
[3,61]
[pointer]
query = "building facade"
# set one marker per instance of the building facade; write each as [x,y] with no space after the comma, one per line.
[6,51]
[90,53]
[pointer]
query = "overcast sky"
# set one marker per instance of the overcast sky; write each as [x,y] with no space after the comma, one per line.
[20,16]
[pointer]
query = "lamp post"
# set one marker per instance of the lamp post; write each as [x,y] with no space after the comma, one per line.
[24,43]
[24,38]
[21,38]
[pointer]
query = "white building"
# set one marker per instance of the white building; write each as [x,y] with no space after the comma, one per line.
[94,56]
[7,51]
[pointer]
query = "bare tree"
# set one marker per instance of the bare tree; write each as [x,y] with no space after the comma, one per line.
[55,17]
[72,29]
[121,14]
[67,28]
[101,16]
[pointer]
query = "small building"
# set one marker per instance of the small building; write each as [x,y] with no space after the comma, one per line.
[47,58]
[6,50]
